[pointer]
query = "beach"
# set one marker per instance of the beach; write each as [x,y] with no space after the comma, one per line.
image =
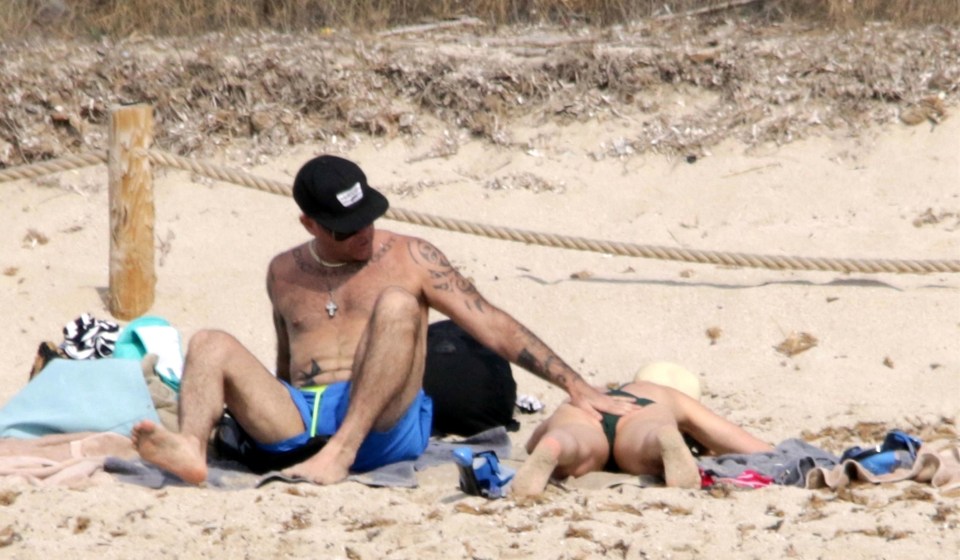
[886,353]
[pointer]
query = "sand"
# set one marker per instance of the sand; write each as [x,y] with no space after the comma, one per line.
[887,353]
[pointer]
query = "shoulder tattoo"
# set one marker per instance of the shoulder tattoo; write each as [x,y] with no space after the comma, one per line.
[443,276]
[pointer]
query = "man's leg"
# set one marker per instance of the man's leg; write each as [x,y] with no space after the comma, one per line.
[387,376]
[218,371]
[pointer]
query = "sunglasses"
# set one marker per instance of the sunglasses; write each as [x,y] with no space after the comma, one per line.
[343,235]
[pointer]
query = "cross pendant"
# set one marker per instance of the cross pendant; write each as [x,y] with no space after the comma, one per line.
[331,308]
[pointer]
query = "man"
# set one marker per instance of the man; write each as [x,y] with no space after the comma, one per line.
[350,310]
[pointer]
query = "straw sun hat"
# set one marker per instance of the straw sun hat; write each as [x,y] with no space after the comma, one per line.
[671,375]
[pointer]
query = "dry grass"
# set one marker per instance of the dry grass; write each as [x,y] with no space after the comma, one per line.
[856,12]
[121,18]
[264,90]
[276,85]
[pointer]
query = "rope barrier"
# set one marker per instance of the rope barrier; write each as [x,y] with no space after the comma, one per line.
[49,167]
[229,175]
[771,262]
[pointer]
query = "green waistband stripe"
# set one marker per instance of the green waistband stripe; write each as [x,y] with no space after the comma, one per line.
[317,391]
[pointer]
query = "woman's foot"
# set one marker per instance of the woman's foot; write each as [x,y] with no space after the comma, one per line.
[532,477]
[680,469]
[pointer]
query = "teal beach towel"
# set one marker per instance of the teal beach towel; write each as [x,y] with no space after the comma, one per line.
[153,335]
[68,396]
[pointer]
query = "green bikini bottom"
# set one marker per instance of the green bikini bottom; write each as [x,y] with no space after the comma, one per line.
[609,423]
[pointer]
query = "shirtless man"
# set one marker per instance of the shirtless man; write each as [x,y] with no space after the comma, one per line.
[648,440]
[350,309]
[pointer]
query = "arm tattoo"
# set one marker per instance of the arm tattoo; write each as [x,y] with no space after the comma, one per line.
[527,361]
[443,275]
[557,377]
[552,368]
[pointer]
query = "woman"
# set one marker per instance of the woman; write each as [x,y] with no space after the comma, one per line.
[648,440]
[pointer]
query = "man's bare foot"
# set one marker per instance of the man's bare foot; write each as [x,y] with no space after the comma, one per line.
[329,466]
[680,469]
[532,477]
[175,453]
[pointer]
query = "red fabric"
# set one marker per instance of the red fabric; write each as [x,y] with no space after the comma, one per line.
[746,479]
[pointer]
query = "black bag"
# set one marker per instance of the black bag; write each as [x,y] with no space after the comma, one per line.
[232,442]
[472,388]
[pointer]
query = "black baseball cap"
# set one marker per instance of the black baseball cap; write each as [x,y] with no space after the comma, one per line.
[334,192]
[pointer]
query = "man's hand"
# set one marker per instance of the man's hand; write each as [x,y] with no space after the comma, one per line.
[590,399]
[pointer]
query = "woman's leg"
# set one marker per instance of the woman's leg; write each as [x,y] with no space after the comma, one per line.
[649,442]
[716,433]
[569,443]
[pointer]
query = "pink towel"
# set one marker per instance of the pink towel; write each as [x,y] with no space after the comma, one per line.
[62,460]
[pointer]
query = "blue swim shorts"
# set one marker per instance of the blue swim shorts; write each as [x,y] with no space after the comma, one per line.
[323,409]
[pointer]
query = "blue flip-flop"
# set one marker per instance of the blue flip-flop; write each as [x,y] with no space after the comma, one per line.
[898,451]
[482,474]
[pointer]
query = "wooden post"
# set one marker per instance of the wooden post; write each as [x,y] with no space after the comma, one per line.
[132,276]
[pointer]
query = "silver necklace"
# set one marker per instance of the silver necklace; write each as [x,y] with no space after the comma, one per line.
[331,305]
[316,257]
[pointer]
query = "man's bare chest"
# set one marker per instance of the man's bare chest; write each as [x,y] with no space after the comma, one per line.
[316,300]
[325,299]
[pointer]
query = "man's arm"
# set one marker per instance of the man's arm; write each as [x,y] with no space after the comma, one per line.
[283,347]
[280,326]
[456,297]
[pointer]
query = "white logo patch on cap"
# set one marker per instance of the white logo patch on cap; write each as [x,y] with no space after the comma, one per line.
[351,196]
